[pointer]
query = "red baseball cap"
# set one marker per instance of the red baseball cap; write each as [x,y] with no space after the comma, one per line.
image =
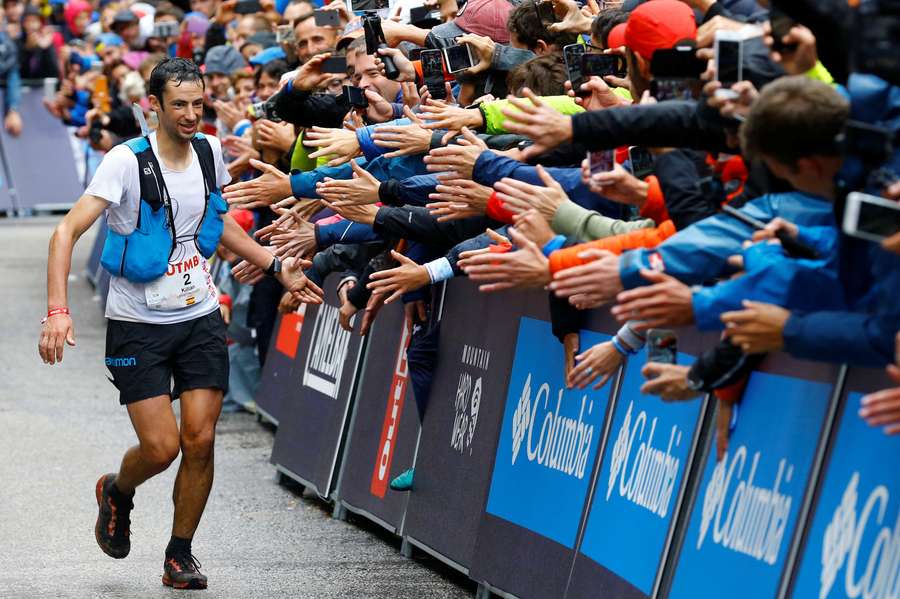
[659,25]
[486,17]
[616,37]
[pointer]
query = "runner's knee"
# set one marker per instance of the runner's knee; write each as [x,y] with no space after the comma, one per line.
[161,452]
[198,444]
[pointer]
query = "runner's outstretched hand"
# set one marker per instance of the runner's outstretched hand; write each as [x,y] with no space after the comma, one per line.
[55,333]
[294,281]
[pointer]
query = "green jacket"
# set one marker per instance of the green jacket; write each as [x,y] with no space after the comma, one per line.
[577,222]
[495,120]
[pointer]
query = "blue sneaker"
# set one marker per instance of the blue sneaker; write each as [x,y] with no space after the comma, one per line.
[403,482]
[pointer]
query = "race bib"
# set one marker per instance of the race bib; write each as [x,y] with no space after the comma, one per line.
[186,283]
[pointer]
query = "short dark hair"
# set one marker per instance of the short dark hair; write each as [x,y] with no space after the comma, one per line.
[274,69]
[166,8]
[793,118]
[545,75]
[525,22]
[172,69]
[605,22]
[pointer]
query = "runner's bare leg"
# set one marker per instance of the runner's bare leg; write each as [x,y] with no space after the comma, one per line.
[157,430]
[200,410]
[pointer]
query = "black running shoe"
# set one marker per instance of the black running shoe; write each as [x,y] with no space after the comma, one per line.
[113,522]
[182,571]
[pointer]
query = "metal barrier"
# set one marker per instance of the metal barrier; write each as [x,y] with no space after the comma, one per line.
[533,490]
[39,165]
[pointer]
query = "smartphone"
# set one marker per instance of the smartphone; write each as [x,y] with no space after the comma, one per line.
[870,143]
[459,58]
[781,25]
[165,29]
[356,97]
[572,55]
[729,50]
[415,54]
[791,246]
[247,7]
[361,6]
[334,64]
[601,65]
[285,34]
[871,217]
[674,89]
[601,161]
[680,62]
[662,346]
[433,73]
[424,17]
[546,13]
[327,18]
[641,161]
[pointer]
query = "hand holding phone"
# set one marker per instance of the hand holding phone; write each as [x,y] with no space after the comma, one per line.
[247,7]
[871,217]
[791,246]
[459,58]
[662,346]
[729,55]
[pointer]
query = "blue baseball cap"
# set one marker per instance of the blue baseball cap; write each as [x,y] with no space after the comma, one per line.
[267,56]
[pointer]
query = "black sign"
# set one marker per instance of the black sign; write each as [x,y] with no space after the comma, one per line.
[314,393]
[459,435]
[385,425]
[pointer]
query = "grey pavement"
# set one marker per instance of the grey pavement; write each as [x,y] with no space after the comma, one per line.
[61,427]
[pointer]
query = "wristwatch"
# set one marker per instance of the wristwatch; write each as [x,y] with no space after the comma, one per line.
[274,268]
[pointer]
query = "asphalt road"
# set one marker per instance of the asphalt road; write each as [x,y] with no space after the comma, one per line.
[61,427]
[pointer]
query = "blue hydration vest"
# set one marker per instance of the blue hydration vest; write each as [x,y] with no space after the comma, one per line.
[143,255]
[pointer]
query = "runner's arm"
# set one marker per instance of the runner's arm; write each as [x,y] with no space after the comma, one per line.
[58,329]
[79,219]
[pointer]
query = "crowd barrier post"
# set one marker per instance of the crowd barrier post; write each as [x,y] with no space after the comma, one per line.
[851,545]
[744,518]
[39,163]
[636,496]
[384,425]
[462,423]
[316,392]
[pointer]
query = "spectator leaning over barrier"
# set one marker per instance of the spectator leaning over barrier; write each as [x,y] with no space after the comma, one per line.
[164,319]
[9,73]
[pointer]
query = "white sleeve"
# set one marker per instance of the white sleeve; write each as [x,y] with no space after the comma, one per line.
[115,175]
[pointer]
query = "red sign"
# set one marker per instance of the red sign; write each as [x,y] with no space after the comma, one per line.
[288,339]
[396,397]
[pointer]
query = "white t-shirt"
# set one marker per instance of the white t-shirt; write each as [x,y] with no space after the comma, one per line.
[117,182]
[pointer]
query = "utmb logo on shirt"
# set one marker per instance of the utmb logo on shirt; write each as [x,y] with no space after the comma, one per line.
[549,438]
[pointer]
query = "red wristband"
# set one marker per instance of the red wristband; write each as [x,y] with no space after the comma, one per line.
[54,312]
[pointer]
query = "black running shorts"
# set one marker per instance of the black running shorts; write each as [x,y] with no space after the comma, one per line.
[144,359]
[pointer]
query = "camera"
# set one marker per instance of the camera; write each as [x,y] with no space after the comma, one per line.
[264,110]
[375,39]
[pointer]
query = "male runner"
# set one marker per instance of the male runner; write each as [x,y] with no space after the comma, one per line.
[155,334]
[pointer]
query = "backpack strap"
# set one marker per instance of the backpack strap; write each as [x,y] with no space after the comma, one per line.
[149,171]
[207,161]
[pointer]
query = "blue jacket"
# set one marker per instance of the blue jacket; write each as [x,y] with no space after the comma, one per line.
[865,335]
[345,231]
[772,277]
[367,144]
[491,167]
[700,252]
[303,184]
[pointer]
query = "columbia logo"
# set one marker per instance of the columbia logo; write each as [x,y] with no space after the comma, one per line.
[119,362]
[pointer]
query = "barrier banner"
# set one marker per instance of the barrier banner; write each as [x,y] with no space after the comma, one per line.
[852,547]
[44,141]
[317,391]
[745,511]
[280,374]
[639,490]
[385,424]
[459,434]
[542,469]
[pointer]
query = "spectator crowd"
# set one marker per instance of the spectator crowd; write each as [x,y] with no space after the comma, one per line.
[680,163]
